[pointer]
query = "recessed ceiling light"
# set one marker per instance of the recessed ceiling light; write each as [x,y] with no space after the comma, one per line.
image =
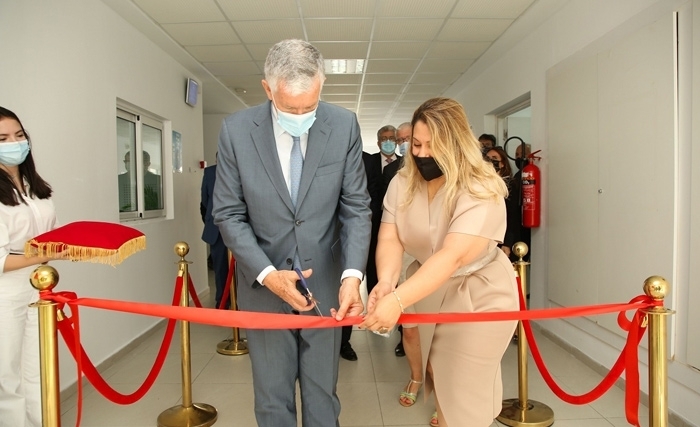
[240,90]
[344,66]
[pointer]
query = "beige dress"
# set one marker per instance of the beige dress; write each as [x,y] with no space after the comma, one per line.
[465,357]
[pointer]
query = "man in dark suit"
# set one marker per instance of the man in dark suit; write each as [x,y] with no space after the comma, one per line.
[211,235]
[291,193]
[379,173]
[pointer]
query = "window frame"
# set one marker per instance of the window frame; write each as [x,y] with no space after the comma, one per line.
[140,119]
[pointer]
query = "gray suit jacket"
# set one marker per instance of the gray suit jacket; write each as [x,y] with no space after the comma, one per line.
[255,215]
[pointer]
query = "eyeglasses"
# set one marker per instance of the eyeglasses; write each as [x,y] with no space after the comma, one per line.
[386,138]
[495,159]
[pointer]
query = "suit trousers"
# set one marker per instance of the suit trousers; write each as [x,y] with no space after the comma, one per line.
[20,389]
[280,358]
[219,258]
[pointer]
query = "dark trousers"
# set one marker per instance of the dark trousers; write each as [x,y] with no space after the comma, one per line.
[219,257]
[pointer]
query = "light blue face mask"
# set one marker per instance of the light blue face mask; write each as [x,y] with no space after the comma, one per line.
[295,124]
[13,153]
[403,147]
[388,147]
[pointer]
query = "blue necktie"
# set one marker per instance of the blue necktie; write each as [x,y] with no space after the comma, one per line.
[296,163]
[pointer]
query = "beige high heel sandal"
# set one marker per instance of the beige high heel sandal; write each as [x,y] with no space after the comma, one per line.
[407,395]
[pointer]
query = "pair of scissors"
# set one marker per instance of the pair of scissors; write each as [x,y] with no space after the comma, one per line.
[309,296]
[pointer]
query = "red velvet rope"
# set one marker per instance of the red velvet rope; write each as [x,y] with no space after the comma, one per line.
[627,361]
[227,288]
[193,292]
[254,320]
[85,365]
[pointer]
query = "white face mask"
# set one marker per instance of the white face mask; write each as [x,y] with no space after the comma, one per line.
[295,124]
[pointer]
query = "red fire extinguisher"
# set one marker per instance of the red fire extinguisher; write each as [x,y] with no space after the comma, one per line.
[531,192]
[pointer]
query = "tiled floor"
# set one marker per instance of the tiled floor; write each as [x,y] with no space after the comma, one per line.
[368,388]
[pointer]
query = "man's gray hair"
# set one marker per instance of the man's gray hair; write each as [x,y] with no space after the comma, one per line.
[387,128]
[296,63]
[404,125]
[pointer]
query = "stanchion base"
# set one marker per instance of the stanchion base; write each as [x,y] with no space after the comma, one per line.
[197,415]
[230,347]
[535,415]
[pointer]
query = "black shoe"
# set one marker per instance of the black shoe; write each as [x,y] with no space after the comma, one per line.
[399,351]
[347,353]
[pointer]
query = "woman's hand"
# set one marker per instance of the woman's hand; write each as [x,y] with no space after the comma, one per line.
[379,290]
[384,313]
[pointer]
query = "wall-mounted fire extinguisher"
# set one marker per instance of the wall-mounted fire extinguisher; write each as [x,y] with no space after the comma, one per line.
[531,192]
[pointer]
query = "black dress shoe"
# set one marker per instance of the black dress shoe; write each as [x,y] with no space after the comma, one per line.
[347,353]
[399,351]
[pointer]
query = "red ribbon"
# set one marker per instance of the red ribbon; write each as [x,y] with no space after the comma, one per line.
[192,291]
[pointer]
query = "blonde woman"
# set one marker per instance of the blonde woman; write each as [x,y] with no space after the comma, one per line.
[446,209]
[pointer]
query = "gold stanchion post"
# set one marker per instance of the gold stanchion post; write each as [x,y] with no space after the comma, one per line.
[187,414]
[234,346]
[46,278]
[657,287]
[522,411]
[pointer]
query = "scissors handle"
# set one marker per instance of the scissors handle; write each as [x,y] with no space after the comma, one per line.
[309,296]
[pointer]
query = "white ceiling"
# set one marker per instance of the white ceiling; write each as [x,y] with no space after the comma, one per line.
[413,49]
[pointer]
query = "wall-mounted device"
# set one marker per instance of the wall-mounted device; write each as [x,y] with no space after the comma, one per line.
[191,92]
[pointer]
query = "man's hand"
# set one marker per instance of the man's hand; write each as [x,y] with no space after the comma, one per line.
[283,283]
[349,299]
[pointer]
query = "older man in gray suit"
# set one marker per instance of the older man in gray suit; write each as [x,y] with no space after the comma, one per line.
[291,193]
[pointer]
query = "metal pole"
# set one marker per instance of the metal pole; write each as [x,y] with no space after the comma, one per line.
[657,287]
[522,412]
[188,414]
[46,278]
[232,347]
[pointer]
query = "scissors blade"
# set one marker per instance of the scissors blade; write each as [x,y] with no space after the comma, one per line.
[309,296]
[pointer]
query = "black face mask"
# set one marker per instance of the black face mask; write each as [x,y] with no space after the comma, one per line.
[520,163]
[428,168]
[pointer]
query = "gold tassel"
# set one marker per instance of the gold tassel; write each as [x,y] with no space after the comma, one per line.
[83,253]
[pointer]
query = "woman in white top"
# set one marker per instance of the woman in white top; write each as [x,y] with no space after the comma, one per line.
[26,210]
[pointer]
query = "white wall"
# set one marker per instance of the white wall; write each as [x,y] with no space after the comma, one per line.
[497,79]
[212,127]
[65,64]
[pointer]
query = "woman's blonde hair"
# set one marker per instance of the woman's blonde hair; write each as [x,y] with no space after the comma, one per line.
[456,151]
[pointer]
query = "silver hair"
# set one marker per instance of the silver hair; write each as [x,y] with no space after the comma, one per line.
[404,125]
[296,63]
[385,129]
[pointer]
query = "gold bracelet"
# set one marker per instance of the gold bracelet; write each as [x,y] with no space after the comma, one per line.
[398,299]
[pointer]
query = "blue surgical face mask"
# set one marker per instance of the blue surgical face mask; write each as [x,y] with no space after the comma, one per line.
[388,147]
[403,147]
[295,124]
[13,153]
